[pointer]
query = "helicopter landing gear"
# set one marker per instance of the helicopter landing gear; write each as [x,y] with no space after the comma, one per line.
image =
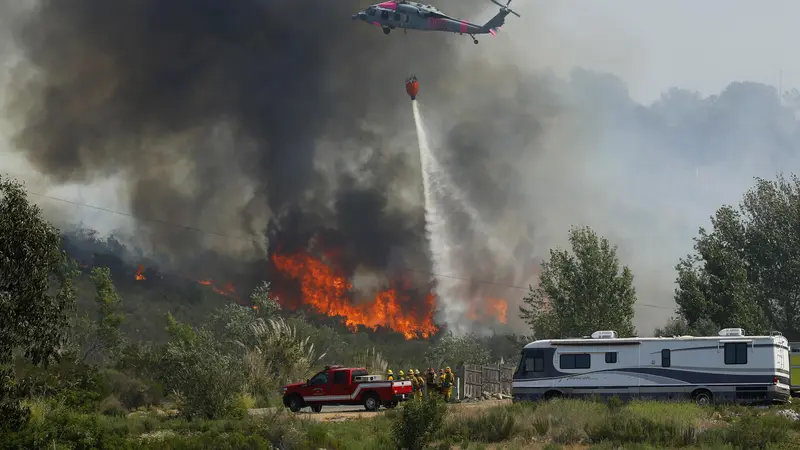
[474,41]
[386,31]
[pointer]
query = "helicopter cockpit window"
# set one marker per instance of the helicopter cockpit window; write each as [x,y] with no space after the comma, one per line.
[371,11]
[385,15]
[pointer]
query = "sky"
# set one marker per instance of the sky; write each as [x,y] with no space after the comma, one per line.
[698,45]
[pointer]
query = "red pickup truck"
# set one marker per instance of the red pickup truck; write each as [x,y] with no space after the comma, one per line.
[337,385]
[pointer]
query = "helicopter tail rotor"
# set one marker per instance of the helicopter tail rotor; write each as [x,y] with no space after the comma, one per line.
[505,7]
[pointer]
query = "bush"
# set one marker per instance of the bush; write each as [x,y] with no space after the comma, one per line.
[132,392]
[625,426]
[496,425]
[419,421]
[206,380]
[756,433]
[111,406]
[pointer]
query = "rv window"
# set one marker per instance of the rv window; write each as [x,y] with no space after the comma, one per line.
[666,359]
[736,353]
[340,377]
[575,361]
[534,363]
[611,357]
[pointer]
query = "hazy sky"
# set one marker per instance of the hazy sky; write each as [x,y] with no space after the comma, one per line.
[700,45]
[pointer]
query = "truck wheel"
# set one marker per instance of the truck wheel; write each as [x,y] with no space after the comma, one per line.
[372,402]
[316,408]
[295,403]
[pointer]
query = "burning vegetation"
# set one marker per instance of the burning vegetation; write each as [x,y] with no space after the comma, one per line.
[325,289]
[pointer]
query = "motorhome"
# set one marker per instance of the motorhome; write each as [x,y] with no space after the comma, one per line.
[731,367]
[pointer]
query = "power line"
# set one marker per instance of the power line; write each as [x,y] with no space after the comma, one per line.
[255,238]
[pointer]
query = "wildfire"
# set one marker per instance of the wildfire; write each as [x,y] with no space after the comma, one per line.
[139,275]
[227,290]
[496,308]
[326,291]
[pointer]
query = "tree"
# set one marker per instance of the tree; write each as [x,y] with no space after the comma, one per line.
[582,292]
[101,337]
[743,272]
[205,379]
[35,290]
[455,351]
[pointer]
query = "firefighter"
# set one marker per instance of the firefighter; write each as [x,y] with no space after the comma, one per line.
[440,382]
[401,376]
[420,384]
[389,375]
[414,385]
[447,384]
[430,381]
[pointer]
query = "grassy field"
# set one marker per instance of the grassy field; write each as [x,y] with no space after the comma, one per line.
[561,424]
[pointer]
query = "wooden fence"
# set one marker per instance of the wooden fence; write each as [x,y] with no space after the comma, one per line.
[475,380]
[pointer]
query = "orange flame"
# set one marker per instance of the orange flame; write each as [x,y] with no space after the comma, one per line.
[139,275]
[326,291]
[227,290]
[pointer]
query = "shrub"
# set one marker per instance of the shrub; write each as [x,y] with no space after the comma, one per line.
[627,427]
[418,423]
[132,392]
[111,406]
[756,433]
[496,425]
[205,379]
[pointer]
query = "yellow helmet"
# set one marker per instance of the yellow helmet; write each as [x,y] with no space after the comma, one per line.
[416,372]
[389,371]
[447,369]
[401,373]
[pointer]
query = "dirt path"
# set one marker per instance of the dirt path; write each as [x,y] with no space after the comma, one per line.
[342,413]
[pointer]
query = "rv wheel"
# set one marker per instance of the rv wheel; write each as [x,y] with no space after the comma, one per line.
[702,397]
[549,395]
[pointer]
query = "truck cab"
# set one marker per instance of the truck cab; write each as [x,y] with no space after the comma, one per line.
[338,385]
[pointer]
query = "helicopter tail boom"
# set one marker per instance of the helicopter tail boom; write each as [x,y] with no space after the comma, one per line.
[500,18]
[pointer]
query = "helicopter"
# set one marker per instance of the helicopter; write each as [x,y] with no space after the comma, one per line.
[410,15]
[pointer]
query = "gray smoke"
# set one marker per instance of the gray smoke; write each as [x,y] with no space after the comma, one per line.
[236,117]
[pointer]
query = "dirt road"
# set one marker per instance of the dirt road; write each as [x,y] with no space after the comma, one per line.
[342,413]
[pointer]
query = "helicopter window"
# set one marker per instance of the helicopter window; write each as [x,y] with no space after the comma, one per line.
[397,17]
[385,15]
[371,11]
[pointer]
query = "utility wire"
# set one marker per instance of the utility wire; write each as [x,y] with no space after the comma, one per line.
[257,239]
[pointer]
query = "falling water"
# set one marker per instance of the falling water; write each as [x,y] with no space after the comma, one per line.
[449,285]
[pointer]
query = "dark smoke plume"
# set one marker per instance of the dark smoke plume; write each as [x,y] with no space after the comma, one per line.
[237,117]
[212,112]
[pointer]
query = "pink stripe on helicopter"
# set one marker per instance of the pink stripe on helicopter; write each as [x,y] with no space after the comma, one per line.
[463,26]
[388,5]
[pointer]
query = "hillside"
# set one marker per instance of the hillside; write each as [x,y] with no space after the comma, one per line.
[148,295]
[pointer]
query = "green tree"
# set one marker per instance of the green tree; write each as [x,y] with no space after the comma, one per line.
[263,301]
[105,337]
[743,272]
[452,350]
[35,290]
[205,379]
[581,292]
